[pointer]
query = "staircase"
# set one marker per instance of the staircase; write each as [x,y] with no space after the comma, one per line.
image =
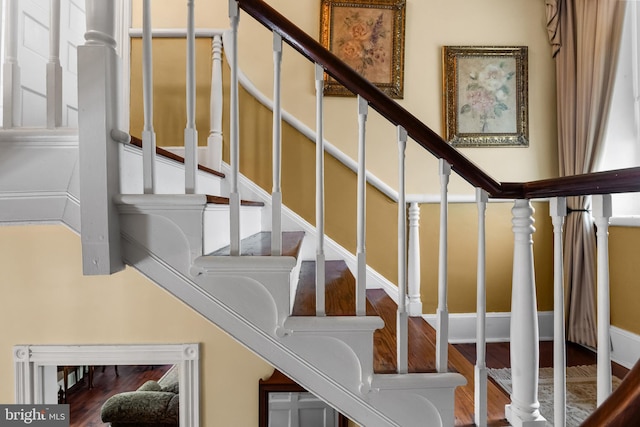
[268,278]
[181,242]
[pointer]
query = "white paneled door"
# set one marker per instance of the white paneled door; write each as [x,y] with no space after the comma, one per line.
[34,29]
[300,410]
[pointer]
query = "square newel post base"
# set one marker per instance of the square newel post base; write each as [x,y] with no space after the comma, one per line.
[516,421]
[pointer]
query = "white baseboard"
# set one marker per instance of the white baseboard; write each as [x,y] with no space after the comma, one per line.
[462,326]
[626,347]
[462,329]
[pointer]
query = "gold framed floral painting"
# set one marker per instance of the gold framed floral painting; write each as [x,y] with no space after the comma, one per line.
[485,96]
[369,36]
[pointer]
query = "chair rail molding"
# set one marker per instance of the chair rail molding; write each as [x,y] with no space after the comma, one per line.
[34,363]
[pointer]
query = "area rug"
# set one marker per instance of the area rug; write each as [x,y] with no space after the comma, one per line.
[581,391]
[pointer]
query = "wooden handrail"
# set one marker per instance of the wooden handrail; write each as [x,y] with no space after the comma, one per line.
[622,408]
[619,181]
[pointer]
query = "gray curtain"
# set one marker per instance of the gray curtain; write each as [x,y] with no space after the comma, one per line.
[585,39]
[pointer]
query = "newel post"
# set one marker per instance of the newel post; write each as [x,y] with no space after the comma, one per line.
[524,407]
[98,71]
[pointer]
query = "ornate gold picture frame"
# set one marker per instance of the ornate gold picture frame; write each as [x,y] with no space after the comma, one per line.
[369,36]
[485,96]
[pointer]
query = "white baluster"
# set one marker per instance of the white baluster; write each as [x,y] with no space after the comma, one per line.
[524,407]
[276,193]
[54,70]
[234,140]
[602,213]
[361,277]
[98,71]
[558,210]
[402,321]
[214,140]
[442,313]
[190,132]
[12,103]
[148,134]
[480,382]
[413,262]
[320,256]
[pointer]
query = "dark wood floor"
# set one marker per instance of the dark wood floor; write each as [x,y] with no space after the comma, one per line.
[498,355]
[85,403]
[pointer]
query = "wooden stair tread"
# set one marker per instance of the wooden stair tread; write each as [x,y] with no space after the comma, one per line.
[169,155]
[340,291]
[421,346]
[219,200]
[259,244]
[422,339]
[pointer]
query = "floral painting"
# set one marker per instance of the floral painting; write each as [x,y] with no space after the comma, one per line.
[485,96]
[364,41]
[368,35]
[488,100]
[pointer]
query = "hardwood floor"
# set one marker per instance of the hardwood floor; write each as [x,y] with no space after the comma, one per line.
[85,403]
[498,356]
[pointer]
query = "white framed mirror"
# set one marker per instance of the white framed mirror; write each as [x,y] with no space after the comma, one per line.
[36,378]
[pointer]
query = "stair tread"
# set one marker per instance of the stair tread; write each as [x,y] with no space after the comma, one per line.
[422,344]
[259,244]
[340,300]
[219,200]
[339,290]
[169,155]
[421,338]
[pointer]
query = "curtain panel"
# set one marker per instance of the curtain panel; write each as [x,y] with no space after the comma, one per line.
[585,39]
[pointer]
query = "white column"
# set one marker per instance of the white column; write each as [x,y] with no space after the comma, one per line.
[320,256]
[214,140]
[54,70]
[481,314]
[190,132]
[558,210]
[98,71]
[11,100]
[602,214]
[402,320]
[361,252]
[234,139]
[148,134]
[524,407]
[276,192]
[442,313]
[413,262]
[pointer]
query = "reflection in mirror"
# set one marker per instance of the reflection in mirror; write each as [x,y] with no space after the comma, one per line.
[169,371]
[283,403]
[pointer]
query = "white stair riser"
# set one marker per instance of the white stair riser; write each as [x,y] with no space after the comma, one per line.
[216,225]
[169,175]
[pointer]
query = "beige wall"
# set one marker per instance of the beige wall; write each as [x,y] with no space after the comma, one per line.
[46,300]
[429,26]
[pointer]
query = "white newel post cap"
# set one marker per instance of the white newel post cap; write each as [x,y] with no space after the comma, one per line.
[101,24]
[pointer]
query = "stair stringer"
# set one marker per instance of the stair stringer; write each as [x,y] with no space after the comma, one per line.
[171,224]
[388,403]
[314,337]
[268,345]
[438,399]
[247,284]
